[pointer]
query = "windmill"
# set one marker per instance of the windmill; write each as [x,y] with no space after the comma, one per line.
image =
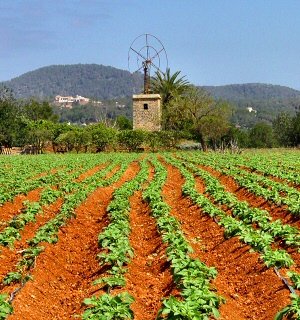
[146,53]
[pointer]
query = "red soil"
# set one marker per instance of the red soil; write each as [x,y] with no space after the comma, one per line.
[90,172]
[64,272]
[276,179]
[9,257]
[251,290]
[10,209]
[149,278]
[277,212]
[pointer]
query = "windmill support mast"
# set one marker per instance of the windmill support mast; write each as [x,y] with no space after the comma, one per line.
[146,78]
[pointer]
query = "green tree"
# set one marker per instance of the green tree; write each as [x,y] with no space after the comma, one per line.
[207,119]
[39,133]
[35,110]
[83,139]
[283,129]
[262,136]
[170,87]
[295,135]
[102,136]
[9,113]
[132,140]
[123,123]
[236,138]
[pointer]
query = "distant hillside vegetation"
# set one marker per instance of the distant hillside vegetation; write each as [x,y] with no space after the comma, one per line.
[89,80]
[266,101]
[253,91]
[108,83]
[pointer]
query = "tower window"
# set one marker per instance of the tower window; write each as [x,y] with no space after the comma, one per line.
[145,106]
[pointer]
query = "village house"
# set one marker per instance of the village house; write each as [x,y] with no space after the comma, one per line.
[68,101]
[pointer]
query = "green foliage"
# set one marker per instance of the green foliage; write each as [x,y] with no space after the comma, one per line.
[111,282]
[282,126]
[49,195]
[107,307]
[295,277]
[174,309]
[132,140]
[292,311]
[295,135]
[162,139]
[102,136]
[35,110]
[8,117]
[123,123]
[262,136]
[12,277]
[168,85]
[5,307]
[73,137]
[38,133]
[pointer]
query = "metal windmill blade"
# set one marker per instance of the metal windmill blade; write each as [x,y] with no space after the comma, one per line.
[146,52]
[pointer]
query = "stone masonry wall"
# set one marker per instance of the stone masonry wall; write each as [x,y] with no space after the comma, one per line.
[147,118]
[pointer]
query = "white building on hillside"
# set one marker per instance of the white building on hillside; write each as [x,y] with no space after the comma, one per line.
[70,99]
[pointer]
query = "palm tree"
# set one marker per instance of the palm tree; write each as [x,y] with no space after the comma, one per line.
[169,86]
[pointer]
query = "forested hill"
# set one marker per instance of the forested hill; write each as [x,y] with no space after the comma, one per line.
[106,82]
[88,80]
[266,101]
[252,91]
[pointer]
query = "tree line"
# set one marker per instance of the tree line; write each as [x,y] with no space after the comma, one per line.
[196,113]
[188,113]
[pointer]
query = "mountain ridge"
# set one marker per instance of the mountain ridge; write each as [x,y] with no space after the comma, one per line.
[107,82]
[258,91]
[91,80]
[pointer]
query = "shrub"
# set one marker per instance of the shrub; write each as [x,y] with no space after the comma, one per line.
[132,140]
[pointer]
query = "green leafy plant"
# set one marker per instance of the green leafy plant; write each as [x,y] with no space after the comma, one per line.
[277,258]
[107,307]
[110,282]
[292,311]
[5,306]
[295,277]
[12,277]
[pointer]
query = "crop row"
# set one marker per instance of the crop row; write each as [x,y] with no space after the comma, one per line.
[44,173]
[191,276]
[64,182]
[241,209]
[117,253]
[49,231]
[258,240]
[259,185]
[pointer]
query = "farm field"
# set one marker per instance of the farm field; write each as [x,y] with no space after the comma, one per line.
[178,235]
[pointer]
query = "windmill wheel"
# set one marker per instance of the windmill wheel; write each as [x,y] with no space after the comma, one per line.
[146,53]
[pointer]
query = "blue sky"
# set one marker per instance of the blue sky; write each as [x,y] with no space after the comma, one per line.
[212,42]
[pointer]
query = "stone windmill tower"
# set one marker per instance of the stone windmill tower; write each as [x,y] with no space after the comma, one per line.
[147,52]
